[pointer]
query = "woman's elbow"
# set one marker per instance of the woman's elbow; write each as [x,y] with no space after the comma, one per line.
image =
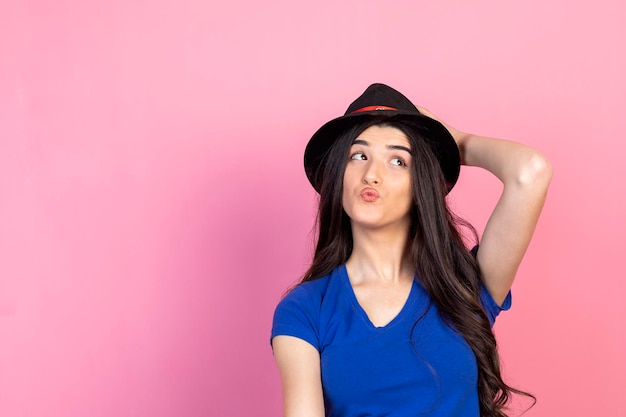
[535,172]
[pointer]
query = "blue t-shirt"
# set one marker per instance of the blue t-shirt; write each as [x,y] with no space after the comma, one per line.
[370,371]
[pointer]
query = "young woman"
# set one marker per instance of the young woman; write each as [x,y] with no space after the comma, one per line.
[394,316]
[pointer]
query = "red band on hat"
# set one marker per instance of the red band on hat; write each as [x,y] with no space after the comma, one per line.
[372,108]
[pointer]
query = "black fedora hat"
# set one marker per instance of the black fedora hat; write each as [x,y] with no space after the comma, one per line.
[380,100]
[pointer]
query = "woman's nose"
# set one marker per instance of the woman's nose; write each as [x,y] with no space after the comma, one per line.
[372,175]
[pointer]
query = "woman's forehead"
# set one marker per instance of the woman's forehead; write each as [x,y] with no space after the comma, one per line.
[383,135]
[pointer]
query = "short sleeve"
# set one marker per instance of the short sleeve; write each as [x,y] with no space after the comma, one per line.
[491,307]
[296,315]
[489,304]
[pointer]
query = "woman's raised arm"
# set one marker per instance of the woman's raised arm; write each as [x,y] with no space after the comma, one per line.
[525,174]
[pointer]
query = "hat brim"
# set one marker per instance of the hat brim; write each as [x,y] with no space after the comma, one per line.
[434,133]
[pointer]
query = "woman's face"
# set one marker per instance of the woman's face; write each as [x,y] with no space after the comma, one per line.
[377,181]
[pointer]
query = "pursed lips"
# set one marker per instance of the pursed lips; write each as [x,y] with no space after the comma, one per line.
[369,194]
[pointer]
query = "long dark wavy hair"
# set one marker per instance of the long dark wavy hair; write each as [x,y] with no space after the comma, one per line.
[445,267]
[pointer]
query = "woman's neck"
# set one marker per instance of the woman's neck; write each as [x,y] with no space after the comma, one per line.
[379,255]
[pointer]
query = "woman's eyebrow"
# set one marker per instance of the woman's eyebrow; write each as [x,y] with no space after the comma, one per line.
[360,142]
[400,148]
[392,147]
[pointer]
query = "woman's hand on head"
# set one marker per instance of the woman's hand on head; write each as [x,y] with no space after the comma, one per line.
[459,136]
[525,174]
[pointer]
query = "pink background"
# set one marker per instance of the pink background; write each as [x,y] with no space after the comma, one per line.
[154,206]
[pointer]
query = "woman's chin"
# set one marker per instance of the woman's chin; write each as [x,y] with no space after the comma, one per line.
[372,223]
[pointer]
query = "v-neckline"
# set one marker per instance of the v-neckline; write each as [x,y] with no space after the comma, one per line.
[355,302]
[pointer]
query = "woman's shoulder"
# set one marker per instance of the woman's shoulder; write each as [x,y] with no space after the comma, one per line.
[319,287]
[306,307]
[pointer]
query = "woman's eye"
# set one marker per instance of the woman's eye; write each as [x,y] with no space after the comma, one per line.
[358,156]
[398,162]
